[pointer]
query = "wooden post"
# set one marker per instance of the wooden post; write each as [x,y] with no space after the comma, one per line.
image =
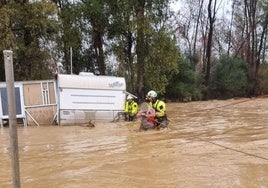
[71,59]
[8,58]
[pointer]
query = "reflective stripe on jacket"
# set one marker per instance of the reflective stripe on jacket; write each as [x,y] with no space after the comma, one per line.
[131,107]
[160,108]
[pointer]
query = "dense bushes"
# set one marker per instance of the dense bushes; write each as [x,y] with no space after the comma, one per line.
[183,86]
[228,78]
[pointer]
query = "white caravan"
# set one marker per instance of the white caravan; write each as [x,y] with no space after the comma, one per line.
[86,97]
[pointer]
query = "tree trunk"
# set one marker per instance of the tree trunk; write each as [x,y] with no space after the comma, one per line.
[140,49]
[98,45]
[250,14]
[130,66]
[197,26]
[211,19]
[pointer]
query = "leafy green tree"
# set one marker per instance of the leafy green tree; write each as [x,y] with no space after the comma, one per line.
[28,28]
[162,64]
[182,86]
[228,78]
[122,34]
[70,39]
[94,23]
[143,44]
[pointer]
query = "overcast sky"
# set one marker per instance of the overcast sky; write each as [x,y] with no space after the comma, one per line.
[175,6]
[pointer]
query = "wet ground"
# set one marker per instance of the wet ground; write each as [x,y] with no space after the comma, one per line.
[208,144]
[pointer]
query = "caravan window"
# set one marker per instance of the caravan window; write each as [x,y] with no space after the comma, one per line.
[4,106]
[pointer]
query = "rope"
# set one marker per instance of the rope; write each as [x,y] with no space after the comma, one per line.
[236,150]
[233,149]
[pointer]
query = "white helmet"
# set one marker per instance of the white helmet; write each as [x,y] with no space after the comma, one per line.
[152,94]
[129,97]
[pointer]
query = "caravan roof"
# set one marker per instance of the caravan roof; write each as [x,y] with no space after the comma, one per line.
[91,82]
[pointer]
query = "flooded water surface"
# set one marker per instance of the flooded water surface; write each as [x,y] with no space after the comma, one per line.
[208,144]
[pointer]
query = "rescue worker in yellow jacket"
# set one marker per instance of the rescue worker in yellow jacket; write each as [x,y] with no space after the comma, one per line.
[131,109]
[160,109]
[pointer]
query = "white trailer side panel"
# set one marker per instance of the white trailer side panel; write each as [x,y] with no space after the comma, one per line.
[85,98]
[92,99]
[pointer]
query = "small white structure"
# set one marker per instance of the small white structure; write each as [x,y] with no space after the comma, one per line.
[86,97]
[35,102]
[20,113]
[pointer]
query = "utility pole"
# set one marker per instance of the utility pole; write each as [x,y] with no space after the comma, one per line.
[71,59]
[12,119]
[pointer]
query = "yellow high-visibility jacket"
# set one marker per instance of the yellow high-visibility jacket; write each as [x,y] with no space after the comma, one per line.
[160,108]
[131,108]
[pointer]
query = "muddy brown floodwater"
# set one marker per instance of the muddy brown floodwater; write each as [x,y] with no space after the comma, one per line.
[208,144]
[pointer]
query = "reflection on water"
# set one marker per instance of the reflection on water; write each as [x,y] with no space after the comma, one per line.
[209,144]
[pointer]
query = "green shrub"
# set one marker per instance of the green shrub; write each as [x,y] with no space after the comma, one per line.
[228,78]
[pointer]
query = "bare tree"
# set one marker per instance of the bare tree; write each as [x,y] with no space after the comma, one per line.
[211,21]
